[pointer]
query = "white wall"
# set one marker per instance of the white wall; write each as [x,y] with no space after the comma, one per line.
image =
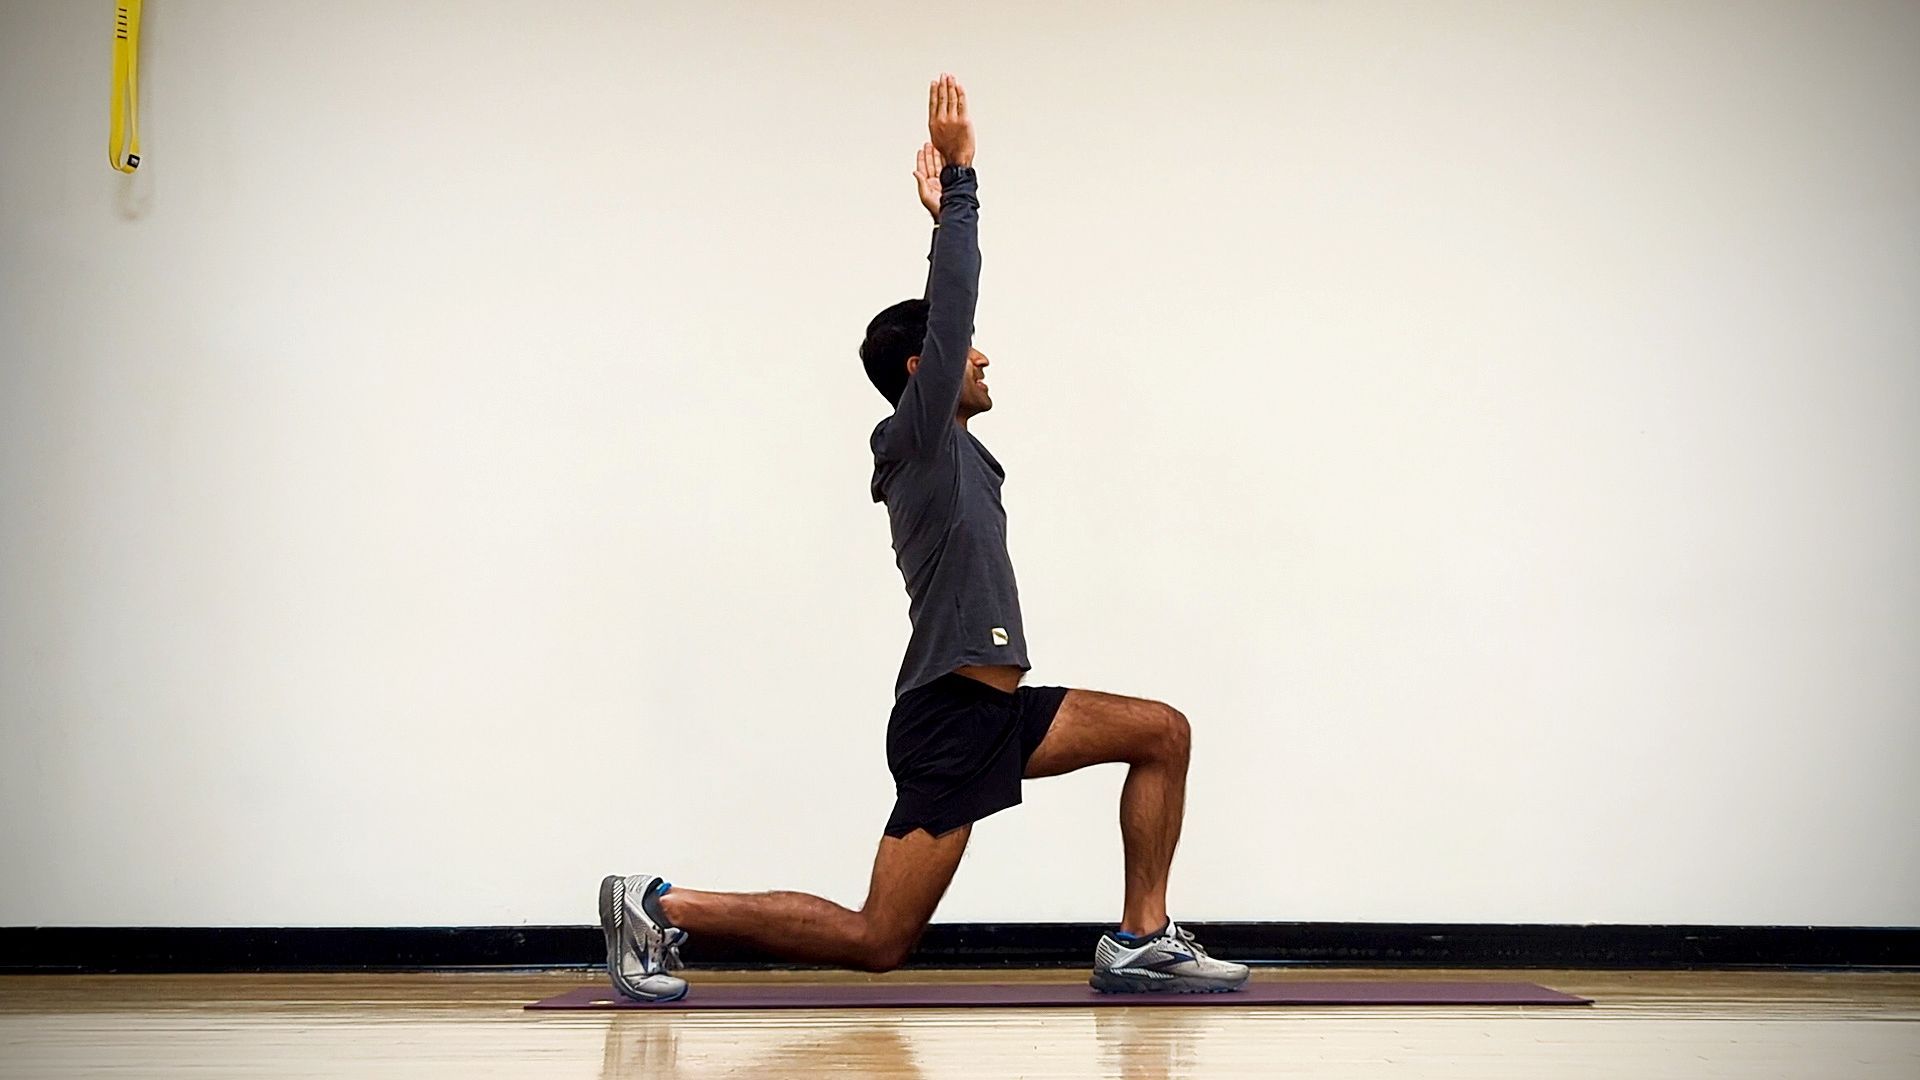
[438,478]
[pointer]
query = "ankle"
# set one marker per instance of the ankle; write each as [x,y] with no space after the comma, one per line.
[673,904]
[1144,927]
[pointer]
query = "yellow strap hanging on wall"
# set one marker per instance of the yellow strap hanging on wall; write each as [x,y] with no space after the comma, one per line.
[123,140]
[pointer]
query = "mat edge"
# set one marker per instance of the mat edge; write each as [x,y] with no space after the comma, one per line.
[1558,999]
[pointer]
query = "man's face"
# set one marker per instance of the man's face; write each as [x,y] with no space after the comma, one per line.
[974,398]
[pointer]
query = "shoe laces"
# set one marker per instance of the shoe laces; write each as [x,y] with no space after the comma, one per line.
[1193,946]
[670,942]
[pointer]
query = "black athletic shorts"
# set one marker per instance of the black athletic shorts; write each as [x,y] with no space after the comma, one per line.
[958,747]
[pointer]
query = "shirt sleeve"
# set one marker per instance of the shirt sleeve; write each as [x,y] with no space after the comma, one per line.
[930,405]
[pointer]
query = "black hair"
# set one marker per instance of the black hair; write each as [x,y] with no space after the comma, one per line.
[892,336]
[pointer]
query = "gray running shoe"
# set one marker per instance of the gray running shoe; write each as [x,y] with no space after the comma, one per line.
[1169,962]
[642,947]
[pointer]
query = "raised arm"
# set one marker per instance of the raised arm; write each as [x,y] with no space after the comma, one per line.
[930,404]
[926,176]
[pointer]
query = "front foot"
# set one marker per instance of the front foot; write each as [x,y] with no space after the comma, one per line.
[1169,962]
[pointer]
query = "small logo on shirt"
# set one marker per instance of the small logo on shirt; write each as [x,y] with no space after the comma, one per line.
[999,635]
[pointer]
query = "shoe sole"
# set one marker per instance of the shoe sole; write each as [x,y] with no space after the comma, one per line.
[612,917]
[1119,982]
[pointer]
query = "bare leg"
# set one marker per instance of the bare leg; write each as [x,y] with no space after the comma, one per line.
[910,874]
[1154,740]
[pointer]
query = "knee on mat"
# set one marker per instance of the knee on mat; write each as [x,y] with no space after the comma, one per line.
[884,953]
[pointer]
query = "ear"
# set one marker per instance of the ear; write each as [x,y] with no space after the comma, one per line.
[913,365]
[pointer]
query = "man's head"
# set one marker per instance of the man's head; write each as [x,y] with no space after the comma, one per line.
[891,353]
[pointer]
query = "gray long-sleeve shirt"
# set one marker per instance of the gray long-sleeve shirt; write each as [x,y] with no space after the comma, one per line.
[941,486]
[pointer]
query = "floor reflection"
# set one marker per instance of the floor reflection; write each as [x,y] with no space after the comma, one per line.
[680,1044]
[1145,1043]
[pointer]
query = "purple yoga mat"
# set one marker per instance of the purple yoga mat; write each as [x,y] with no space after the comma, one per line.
[1281,990]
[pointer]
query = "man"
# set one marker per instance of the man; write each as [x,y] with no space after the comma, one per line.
[964,733]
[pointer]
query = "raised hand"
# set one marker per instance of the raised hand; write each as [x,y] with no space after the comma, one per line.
[947,121]
[926,174]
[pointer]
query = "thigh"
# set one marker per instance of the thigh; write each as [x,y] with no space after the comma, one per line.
[1093,728]
[910,875]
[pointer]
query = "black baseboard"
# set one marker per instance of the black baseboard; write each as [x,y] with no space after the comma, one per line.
[969,945]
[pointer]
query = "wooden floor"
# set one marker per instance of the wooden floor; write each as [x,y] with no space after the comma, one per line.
[1647,1025]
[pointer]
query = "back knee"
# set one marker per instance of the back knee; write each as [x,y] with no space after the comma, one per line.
[884,951]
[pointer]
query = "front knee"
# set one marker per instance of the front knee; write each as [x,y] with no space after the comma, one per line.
[1175,734]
